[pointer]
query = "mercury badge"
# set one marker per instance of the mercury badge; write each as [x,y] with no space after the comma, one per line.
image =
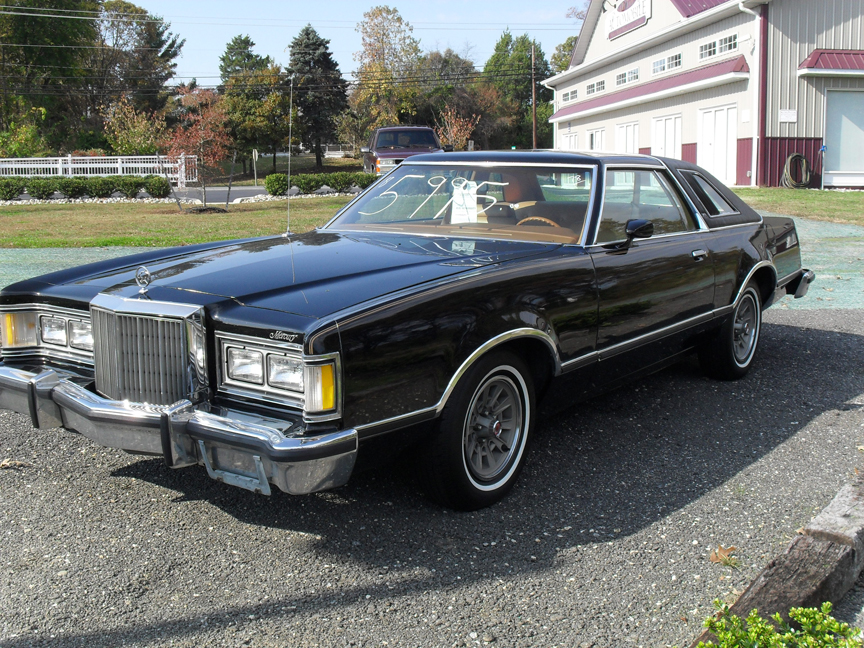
[143,279]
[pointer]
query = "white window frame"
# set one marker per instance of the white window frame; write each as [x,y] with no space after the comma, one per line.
[596,87]
[678,130]
[597,139]
[666,64]
[621,131]
[630,76]
[727,43]
[707,50]
[569,96]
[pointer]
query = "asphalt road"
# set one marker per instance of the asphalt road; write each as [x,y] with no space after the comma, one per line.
[604,541]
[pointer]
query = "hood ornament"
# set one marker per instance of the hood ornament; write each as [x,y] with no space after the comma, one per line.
[143,279]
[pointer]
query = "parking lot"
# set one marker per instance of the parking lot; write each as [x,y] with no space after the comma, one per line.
[604,541]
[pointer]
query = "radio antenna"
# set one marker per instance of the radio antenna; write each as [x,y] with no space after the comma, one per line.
[290,131]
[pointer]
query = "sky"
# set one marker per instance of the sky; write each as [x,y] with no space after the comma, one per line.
[472,27]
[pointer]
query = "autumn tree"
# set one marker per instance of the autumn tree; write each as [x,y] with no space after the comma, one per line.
[203,132]
[454,129]
[387,61]
[132,132]
[319,89]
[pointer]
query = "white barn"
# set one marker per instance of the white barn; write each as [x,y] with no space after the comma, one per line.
[734,86]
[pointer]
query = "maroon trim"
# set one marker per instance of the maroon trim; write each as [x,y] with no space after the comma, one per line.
[738,64]
[626,29]
[645,151]
[826,59]
[761,153]
[745,160]
[689,8]
[688,153]
[778,149]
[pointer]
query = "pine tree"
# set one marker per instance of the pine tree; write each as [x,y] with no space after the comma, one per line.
[239,58]
[319,89]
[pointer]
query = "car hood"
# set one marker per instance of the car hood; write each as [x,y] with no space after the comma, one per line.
[314,274]
[400,153]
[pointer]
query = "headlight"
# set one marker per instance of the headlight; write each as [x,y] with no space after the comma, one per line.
[246,366]
[381,164]
[19,330]
[81,335]
[53,330]
[285,373]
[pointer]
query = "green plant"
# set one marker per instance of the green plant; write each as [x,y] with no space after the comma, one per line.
[11,188]
[339,180]
[309,182]
[98,187]
[129,186]
[41,188]
[818,629]
[363,180]
[276,184]
[157,186]
[72,187]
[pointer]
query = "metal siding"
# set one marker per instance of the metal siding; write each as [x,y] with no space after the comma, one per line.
[796,28]
[688,153]
[780,148]
[745,159]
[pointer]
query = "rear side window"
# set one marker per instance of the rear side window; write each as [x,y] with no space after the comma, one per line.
[715,204]
[640,194]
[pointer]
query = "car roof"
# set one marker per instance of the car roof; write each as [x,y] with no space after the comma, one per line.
[533,157]
[386,128]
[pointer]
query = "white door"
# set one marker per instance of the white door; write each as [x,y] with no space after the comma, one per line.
[596,140]
[627,138]
[717,149]
[666,140]
[844,139]
[569,142]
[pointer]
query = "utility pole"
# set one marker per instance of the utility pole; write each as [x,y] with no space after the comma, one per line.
[533,103]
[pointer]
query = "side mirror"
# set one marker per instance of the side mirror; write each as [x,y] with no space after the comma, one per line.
[447,148]
[364,149]
[638,228]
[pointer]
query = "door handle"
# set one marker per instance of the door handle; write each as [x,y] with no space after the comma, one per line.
[699,255]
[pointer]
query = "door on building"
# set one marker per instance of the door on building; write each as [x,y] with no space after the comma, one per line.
[844,139]
[666,141]
[627,138]
[569,142]
[597,140]
[717,146]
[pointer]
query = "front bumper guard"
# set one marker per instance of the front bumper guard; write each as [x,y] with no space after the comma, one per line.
[248,454]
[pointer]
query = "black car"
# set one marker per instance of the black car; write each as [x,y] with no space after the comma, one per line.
[439,308]
[391,145]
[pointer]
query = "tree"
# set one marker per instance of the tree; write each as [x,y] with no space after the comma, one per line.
[152,64]
[560,60]
[441,76]
[203,132]
[455,130]
[131,132]
[388,59]
[319,89]
[239,58]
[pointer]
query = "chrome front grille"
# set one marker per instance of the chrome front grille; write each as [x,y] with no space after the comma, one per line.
[141,358]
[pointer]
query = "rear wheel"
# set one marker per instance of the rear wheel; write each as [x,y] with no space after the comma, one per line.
[728,356]
[479,446]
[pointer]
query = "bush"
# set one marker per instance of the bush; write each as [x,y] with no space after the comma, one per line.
[308,182]
[98,187]
[157,186]
[340,180]
[72,187]
[41,188]
[276,184]
[363,180]
[129,186]
[818,629]
[11,188]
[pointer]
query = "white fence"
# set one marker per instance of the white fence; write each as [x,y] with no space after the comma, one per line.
[180,170]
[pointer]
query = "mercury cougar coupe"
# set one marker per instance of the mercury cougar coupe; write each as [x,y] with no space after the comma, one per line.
[437,308]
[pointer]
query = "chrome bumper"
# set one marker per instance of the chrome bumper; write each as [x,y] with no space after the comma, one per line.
[236,450]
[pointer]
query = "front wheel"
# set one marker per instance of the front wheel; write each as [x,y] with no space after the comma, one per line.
[728,356]
[479,446]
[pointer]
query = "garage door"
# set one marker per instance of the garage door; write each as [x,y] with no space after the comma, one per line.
[844,139]
[717,149]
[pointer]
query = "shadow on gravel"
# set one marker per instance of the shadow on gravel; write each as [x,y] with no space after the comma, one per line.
[605,469]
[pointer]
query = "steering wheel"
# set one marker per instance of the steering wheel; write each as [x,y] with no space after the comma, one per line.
[540,219]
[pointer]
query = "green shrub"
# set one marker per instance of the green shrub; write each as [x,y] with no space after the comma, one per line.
[308,182]
[276,184]
[129,186]
[818,629]
[157,186]
[11,188]
[363,180]
[98,187]
[340,180]
[72,187]
[41,188]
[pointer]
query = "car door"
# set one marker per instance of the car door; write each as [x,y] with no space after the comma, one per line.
[652,291]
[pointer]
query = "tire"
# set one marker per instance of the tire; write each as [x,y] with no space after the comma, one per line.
[475,455]
[729,355]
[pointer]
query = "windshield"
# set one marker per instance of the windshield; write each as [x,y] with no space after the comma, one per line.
[408,138]
[546,204]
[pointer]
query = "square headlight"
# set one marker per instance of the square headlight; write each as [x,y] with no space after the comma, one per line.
[285,373]
[53,330]
[246,365]
[81,335]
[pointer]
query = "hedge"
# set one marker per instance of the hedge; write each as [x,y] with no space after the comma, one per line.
[41,188]
[129,186]
[157,186]
[98,187]
[11,188]
[72,187]
[277,183]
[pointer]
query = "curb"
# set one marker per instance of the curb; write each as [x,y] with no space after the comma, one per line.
[821,564]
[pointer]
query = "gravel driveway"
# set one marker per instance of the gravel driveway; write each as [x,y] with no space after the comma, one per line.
[604,541]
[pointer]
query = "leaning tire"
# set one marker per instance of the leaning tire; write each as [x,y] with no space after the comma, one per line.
[480,442]
[729,355]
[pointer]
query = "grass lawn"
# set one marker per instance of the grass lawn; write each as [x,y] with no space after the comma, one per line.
[833,206]
[159,225]
[299,164]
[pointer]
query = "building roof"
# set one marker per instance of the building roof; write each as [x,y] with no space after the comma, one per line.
[828,59]
[689,8]
[735,66]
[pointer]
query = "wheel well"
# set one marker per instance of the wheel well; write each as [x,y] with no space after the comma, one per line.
[539,358]
[766,279]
